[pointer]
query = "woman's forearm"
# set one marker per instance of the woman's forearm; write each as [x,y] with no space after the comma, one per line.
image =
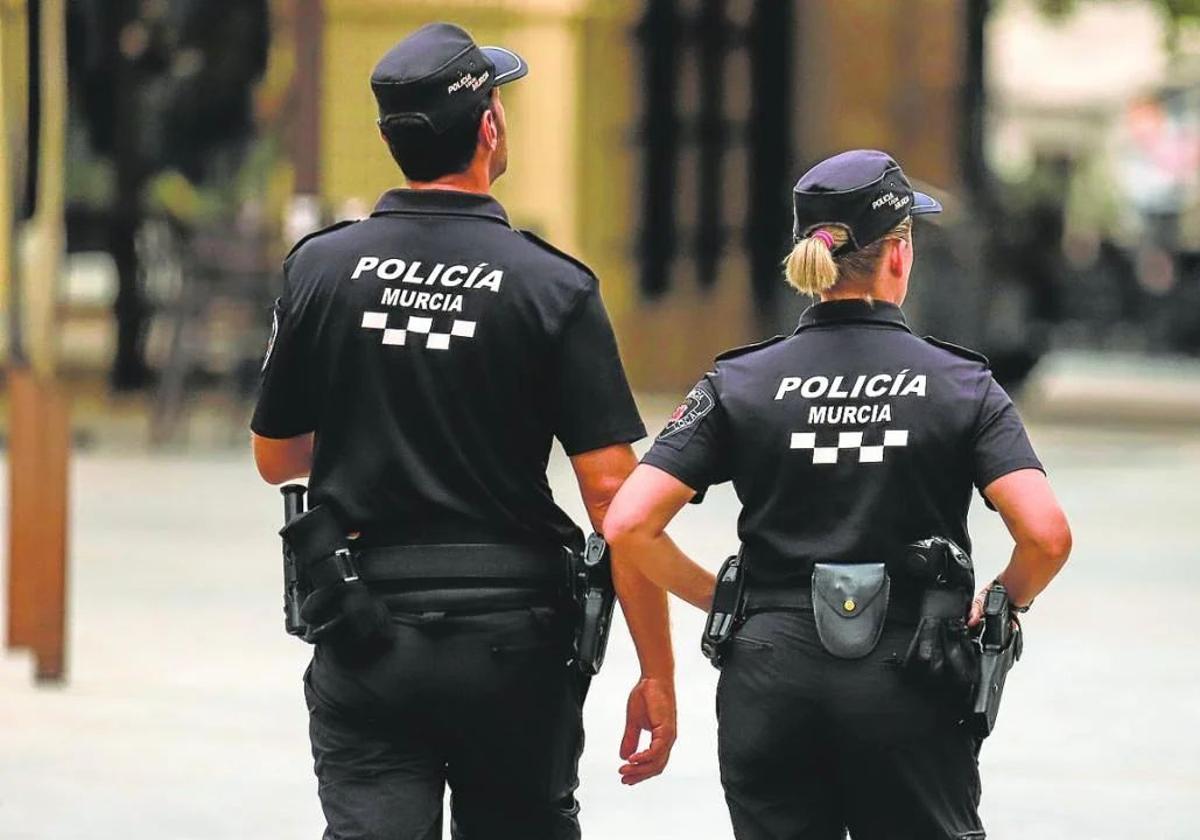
[1031,569]
[659,559]
[635,527]
[1038,527]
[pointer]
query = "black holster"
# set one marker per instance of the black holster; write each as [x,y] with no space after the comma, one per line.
[293,506]
[334,604]
[592,592]
[1002,642]
[727,611]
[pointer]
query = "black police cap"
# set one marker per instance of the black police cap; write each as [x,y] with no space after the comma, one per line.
[862,191]
[438,76]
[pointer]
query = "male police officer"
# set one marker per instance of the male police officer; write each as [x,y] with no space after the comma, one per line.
[422,359]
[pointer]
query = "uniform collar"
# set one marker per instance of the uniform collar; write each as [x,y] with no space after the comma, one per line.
[853,311]
[441,203]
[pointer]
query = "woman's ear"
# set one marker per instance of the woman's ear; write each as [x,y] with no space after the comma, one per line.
[897,257]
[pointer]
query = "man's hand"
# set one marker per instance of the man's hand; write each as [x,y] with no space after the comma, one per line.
[651,707]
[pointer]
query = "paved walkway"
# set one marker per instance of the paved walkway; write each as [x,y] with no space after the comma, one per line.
[183,718]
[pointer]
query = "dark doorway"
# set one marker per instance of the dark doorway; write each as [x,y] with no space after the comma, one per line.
[716,93]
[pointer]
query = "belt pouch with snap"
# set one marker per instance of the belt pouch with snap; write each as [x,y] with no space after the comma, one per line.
[850,603]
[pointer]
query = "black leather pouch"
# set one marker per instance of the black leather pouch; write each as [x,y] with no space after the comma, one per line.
[850,604]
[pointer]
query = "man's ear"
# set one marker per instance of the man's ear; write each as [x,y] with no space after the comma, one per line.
[489,132]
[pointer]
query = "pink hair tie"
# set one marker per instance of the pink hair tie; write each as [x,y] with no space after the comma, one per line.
[825,236]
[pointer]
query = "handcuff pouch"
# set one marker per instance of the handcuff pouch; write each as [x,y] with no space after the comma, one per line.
[850,604]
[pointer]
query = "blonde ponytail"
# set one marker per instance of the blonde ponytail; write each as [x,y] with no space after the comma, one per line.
[810,267]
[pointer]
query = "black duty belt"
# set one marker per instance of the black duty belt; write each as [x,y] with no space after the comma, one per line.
[799,599]
[487,563]
[463,578]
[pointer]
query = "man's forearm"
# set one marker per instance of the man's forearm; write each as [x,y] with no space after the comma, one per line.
[283,459]
[646,614]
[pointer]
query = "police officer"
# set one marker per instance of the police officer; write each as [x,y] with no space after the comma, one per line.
[421,362]
[845,442]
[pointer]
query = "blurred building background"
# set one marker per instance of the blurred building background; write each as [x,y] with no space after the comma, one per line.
[657,140]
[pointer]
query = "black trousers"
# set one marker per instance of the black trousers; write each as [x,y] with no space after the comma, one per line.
[484,703]
[812,746]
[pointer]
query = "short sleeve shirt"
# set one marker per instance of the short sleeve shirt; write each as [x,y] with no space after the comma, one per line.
[436,352]
[845,441]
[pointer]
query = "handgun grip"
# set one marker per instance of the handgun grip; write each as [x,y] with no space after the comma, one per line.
[996,628]
[728,593]
[595,550]
[996,600]
[293,501]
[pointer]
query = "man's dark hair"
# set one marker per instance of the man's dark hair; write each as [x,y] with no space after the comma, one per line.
[423,155]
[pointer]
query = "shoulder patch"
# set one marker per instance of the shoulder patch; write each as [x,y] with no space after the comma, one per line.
[691,411]
[958,350]
[546,246]
[750,348]
[274,334]
[330,229]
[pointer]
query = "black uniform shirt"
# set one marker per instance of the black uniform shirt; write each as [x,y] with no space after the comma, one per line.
[844,441]
[436,351]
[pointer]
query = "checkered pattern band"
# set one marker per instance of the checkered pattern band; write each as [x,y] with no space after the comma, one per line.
[872,454]
[417,326]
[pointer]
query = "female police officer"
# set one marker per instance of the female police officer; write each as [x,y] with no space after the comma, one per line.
[846,442]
